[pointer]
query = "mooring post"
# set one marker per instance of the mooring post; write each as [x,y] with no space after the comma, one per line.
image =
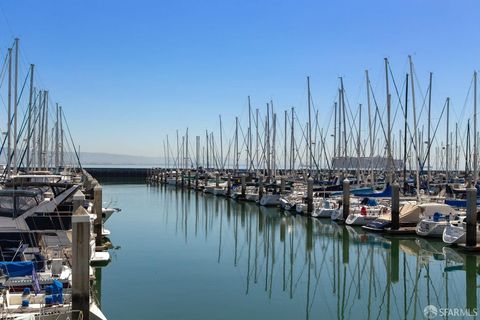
[97,207]
[188,179]
[346,198]
[282,185]
[183,179]
[471,217]
[81,262]
[244,185]
[395,206]
[196,179]
[310,195]
[217,179]
[78,199]
[260,187]
[229,184]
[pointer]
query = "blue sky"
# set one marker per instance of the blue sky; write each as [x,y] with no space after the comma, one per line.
[130,72]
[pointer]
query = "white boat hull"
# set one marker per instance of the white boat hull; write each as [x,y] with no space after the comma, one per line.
[429,228]
[269,200]
[357,219]
[457,234]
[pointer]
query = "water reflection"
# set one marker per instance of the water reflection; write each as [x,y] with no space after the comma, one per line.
[332,271]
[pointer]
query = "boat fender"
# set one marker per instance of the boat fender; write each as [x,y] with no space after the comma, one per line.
[363,211]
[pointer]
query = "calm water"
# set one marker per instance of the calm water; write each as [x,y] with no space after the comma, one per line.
[184,255]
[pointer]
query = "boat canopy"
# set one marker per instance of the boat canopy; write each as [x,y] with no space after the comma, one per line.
[17,268]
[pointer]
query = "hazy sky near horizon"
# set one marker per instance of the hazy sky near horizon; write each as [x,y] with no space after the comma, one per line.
[129,72]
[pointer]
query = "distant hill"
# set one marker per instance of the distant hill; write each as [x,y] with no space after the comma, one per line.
[93,158]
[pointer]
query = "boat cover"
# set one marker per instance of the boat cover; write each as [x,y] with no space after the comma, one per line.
[17,268]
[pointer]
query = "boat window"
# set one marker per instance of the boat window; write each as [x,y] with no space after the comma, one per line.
[22,204]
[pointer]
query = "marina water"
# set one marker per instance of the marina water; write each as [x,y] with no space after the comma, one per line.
[185,255]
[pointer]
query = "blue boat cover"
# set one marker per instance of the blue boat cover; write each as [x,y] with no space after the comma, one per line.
[17,268]
[385,193]
[459,203]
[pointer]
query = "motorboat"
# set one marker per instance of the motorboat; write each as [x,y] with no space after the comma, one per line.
[435,218]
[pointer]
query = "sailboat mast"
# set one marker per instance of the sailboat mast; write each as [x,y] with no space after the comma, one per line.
[339,136]
[256,138]
[236,144]
[335,154]
[187,162]
[272,139]
[41,103]
[221,142]
[370,127]
[33,111]
[428,130]
[405,183]
[57,137]
[206,151]
[178,154]
[415,126]
[389,125]
[344,119]
[9,112]
[274,131]
[197,152]
[62,164]
[292,143]
[15,112]
[447,145]
[267,139]
[359,141]
[309,127]
[285,145]
[45,111]
[456,147]
[249,154]
[467,152]
[475,151]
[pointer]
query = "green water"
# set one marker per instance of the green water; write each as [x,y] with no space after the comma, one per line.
[184,255]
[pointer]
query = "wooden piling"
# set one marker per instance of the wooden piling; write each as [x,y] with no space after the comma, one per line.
[97,208]
[244,185]
[81,262]
[346,198]
[260,187]
[310,195]
[395,206]
[471,217]
[78,199]
[229,184]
